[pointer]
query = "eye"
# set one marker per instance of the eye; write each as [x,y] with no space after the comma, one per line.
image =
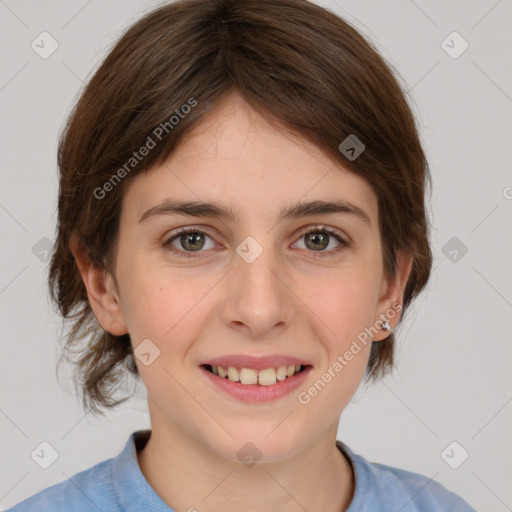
[318,238]
[187,241]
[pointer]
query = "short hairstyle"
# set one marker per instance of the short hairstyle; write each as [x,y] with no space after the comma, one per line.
[301,66]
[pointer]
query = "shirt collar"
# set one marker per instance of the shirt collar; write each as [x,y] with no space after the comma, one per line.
[363,493]
[132,488]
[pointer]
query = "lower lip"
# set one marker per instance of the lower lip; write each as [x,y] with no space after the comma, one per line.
[257,392]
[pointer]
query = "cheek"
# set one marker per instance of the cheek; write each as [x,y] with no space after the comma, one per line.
[344,313]
[158,304]
[170,311]
[344,303]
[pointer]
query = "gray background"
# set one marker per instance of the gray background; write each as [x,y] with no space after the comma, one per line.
[452,381]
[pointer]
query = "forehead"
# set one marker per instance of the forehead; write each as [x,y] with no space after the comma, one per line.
[236,158]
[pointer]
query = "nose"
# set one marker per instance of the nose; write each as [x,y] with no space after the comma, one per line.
[258,302]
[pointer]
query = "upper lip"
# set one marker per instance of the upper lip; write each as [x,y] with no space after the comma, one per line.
[258,363]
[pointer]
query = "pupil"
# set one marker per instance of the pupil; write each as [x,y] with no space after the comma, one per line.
[192,238]
[317,237]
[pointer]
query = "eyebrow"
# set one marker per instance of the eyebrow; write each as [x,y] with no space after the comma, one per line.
[221,212]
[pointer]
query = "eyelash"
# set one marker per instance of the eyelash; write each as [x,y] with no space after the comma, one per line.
[343,244]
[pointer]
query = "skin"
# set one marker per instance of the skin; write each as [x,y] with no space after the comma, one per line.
[293,299]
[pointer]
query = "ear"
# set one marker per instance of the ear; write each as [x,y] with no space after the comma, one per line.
[392,294]
[103,298]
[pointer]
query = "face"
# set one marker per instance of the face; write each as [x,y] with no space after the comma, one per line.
[301,286]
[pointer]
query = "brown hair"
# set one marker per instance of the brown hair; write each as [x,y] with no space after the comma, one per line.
[299,65]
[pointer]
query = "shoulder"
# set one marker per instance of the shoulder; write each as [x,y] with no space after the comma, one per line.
[383,488]
[91,489]
[418,492]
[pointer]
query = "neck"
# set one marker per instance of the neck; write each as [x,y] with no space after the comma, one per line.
[188,476]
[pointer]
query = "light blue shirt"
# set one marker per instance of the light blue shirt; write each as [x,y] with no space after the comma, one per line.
[118,485]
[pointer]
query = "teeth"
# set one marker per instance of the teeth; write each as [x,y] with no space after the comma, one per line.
[233,374]
[281,373]
[247,375]
[265,377]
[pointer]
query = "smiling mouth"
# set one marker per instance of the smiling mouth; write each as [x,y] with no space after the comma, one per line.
[250,376]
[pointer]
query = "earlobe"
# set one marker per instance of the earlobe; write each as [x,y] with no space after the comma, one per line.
[104,302]
[391,300]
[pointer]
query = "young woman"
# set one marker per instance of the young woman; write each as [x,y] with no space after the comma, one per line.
[242,226]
